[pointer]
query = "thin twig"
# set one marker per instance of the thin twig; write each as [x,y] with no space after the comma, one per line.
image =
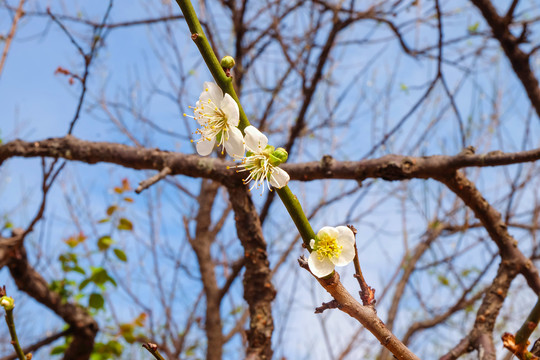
[18,14]
[145,184]
[367,293]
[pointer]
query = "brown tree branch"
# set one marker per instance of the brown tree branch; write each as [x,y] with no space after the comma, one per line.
[481,336]
[492,221]
[258,289]
[510,44]
[18,15]
[366,315]
[201,245]
[389,167]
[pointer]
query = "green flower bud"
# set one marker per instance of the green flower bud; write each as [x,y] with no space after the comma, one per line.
[279,156]
[227,62]
[7,302]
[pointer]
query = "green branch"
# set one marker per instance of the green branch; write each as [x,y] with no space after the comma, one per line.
[209,57]
[297,214]
[523,334]
[153,349]
[225,83]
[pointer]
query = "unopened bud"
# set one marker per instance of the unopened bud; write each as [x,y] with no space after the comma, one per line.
[227,62]
[7,302]
[278,156]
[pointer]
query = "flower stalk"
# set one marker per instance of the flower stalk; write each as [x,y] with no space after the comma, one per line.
[297,214]
[7,303]
[209,57]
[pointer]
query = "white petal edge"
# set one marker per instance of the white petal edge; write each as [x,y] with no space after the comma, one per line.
[214,93]
[230,108]
[320,268]
[345,234]
[346,256]
[235,143]
[205,147]
[279,178]
[331,231]
[255,140]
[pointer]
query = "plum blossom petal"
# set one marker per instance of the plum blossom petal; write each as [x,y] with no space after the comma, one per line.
[205,147]
[235,143]
[345,233]
[255,140]
[320,267]
[230,108]
[347,253]
[279,178]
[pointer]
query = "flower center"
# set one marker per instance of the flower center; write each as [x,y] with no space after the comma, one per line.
[213,121]
[327,247]
[259,168]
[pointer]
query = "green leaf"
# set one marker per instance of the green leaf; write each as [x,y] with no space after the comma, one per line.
[111,209]
[78,269]
[120,255]
[125,224]
[443,280]
[105,242]
[473,28]
[84,283]
[96,301]
[112,281]
[404,88]
[99,276]
[60,349]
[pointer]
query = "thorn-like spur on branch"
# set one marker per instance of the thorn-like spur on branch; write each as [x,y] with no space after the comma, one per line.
[366,315]
[518,344]
[153,349]
[367,293]
[327,305]
[519,350]
[145,184]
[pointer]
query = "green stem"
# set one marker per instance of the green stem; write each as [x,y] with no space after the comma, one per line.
[14,340]
[297,214]
[152,349]
[523,334]
[209,57]
[225,83]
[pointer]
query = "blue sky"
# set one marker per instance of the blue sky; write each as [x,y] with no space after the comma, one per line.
[134,67]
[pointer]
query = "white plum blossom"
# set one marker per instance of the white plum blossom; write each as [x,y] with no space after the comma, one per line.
[218,115]
[334,246]
[262,161]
